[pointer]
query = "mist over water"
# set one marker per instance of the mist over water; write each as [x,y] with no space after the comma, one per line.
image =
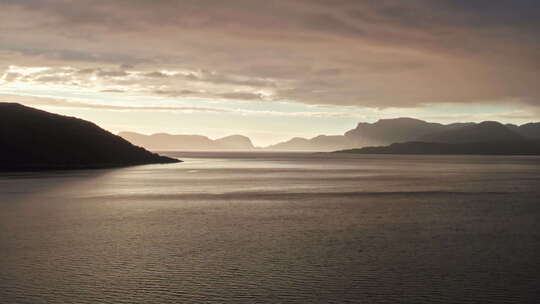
[275,228]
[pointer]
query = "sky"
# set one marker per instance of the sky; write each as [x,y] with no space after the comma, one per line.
[271,69]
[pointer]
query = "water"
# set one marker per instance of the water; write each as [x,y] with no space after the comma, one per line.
[275,228]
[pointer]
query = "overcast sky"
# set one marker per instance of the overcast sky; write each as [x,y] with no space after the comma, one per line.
[271,69]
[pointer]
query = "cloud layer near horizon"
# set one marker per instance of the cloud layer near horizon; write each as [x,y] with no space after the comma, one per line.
[379,54]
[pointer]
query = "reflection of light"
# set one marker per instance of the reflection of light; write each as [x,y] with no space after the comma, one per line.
[24,85]
[169,73]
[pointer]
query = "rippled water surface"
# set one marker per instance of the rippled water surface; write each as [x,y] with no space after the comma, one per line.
[275,228]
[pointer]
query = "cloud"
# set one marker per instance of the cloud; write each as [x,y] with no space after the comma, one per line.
[113,91]
[112,73]
[53,102]
[9,77]
[172,93]
[242,96]
[380,54]
[156,75]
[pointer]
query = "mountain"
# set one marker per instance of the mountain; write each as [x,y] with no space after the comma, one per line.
[234,142]
[32,139]
[487,131]
[318,143]
[388,131]
[163,141]
[384,131]
[522,147]
[392,130]
[295,143]
[529,130]
[380,133]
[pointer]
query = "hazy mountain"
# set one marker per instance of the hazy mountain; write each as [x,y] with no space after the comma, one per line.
[234,142]
[32,139]
[487,131]
[163,141]
[392,130]
[382,132]
[318,143]
[295,143]
[522,147]
[388,131]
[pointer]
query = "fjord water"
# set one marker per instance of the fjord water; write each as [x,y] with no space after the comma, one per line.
[275,228]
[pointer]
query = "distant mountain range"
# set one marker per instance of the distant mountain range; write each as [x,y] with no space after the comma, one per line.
[318,143]
[380,133]
[484,138]
[32,139]
[163,141]
[388,131]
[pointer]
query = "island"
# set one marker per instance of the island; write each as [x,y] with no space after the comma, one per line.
[32,139]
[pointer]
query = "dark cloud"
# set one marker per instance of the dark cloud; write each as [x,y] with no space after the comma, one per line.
[241,96]
[388,53]
[521,14]
[113,91]
[174,93]
[74,56]
[156,75]
[217,78]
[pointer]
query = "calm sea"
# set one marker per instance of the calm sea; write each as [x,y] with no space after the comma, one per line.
[275,228]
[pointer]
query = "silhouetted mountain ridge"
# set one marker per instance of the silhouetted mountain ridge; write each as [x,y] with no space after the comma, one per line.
[393,130]
[487,131]
[380,133]
[32,139]
[528,130]
[388,131]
